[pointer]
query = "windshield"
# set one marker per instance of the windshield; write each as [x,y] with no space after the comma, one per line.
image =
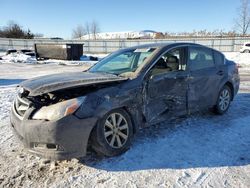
[125,61]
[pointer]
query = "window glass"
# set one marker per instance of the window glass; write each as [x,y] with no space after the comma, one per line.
[248,45]
[219,58]
[200,58]
[171,61]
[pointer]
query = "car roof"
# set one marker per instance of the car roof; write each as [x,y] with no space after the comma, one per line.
[163,45]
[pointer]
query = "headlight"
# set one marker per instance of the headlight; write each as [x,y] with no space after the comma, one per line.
[59,110]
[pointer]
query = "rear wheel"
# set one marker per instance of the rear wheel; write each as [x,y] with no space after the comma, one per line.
[246,51]
[113,133]
[224,100]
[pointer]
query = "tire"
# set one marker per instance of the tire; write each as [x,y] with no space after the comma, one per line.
[224,100]
[246,51]
[113,133]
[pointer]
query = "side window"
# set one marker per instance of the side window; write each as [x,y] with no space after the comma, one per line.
[172,60]
[248,44]
[219,58]
[200,58]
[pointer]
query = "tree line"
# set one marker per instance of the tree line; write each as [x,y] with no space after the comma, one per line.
[14,30]
[201,33]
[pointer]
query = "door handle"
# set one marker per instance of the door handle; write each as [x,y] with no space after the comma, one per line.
[181,77]
[220,73]
[186,77]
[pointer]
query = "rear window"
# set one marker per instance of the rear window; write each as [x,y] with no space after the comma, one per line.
[200,58]
[219,58]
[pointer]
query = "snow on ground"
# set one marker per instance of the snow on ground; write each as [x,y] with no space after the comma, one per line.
[22,58]
[144,34]
[100,55]
[203,150]
[2,53]
[242,59]
[18,58]
[86,60]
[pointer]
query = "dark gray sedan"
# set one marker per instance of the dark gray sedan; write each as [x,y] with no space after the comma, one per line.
[58,116]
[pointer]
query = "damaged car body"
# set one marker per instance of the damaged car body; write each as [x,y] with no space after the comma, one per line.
[58,116]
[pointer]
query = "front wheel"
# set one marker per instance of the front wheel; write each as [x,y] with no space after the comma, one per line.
[224,100]
[113,134]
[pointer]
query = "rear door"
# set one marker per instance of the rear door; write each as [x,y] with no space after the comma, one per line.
[204,79]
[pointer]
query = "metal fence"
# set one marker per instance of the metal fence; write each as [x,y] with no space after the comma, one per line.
[107,46]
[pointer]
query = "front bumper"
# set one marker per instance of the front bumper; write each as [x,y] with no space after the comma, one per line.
[56,140]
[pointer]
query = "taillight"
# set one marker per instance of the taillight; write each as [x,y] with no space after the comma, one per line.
[237,68]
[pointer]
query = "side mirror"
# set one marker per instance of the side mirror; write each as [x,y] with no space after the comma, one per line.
[151,77]
[155,78]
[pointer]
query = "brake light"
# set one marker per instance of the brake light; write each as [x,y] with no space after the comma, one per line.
[237,68]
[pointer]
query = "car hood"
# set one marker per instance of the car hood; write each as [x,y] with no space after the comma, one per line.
[54,82]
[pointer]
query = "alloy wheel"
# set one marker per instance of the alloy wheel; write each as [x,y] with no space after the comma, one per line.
[116,130]
[224,99]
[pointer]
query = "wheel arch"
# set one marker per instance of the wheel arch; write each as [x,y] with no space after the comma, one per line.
[230,85]
[134,118]
[128,111]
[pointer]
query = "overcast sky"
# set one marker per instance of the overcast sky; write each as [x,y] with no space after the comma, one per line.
[59,17]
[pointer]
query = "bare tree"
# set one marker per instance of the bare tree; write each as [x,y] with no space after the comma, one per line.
[243,20]
[90,29]
[38,35]
[87,28]
[78,32]
[14,30]
[95,28]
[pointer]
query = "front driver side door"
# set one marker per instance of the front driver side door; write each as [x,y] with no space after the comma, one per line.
[166,93]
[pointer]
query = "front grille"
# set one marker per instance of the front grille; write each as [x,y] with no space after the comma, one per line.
[21,106]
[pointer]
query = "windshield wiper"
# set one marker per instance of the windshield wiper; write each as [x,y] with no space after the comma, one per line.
[115,73]
[105,72]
